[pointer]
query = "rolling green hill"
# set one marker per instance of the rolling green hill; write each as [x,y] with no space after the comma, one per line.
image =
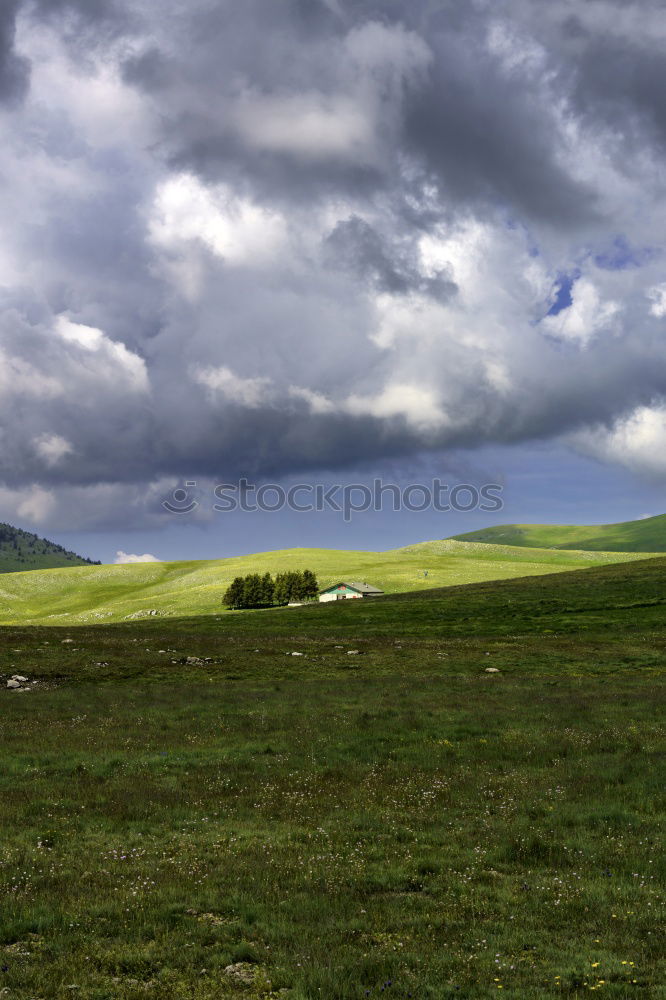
[21,550]
[646,535]
[94,594]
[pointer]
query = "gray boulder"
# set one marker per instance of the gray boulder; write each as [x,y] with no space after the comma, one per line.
[241,972]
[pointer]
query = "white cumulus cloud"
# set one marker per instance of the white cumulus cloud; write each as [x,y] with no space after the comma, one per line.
[249,392]
[114,358]
[637,441]
[585,317]
[232,227]
[52,448]
[126,557]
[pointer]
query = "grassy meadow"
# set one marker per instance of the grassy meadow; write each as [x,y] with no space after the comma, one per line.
[92,594]
[645,535]
[396,821]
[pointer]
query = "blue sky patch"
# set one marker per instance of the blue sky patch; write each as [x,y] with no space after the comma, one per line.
[562,292]
[621,256]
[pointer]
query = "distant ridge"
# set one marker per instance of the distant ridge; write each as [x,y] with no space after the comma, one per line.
[645,535]
[22,550]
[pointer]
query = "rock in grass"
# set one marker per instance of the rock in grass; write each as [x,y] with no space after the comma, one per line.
[491,670]
[13,685]
[19,678]
[242,972]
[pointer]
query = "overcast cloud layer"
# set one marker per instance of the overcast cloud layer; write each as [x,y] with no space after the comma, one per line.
[269,238]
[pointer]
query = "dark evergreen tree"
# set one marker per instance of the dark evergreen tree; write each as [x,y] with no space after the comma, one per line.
[267,589]
[293,585]
[235,593]
[310,585]
[280,595]
[252,591]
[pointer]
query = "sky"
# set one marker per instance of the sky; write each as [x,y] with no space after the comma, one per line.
[328,242]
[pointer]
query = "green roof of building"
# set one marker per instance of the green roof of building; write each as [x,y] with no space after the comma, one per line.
[361,588]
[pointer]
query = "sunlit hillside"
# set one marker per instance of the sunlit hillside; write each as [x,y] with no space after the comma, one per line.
[89,594]
[648,534]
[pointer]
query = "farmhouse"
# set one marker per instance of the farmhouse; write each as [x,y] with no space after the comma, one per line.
[344,591]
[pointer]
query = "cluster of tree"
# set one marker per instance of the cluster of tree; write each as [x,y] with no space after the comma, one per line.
[255,591]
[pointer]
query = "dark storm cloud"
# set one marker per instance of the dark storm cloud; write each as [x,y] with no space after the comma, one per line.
[14,68]
[93,13]
[261,238]
[484,135]
[354,246]
[149,70]
[219,53]
[625,83]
